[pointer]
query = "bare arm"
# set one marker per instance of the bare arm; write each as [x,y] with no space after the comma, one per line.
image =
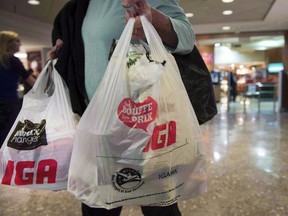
[30,80]
[164,28]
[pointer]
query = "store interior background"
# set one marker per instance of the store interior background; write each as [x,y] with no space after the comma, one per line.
[245,41]
[247,150]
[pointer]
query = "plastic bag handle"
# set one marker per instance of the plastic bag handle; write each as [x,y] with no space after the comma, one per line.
[155,43]
[60,93]
[125,38]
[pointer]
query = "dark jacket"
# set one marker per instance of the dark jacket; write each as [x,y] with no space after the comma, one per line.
[70,64]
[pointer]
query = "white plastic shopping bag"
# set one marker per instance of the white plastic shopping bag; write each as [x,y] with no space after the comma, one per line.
[138,142]
[37,151]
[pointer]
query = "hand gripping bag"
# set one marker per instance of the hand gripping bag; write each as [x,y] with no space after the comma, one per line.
[37,151]
[139,141]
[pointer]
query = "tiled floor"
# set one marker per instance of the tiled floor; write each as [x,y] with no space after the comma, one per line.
[248,171]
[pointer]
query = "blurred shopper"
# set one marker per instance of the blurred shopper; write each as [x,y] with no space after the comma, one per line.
[233,86]
[11,69]
[33,70]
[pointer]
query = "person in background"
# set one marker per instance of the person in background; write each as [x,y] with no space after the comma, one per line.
[233,86]
[82,36]
[35,72]
[11,69]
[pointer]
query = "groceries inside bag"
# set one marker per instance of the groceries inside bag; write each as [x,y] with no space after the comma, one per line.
[138,142]
[37,151]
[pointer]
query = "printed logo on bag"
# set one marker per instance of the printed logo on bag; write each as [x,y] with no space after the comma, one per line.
[168,173]
[137,115]
[163,135]
[127,180]
[30,172]
[28,135]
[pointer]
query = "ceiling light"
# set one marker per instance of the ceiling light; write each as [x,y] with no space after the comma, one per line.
[261,48]
[21,55]
[225,28]
[227,12]
[227,1]
[189,15]
[33,2]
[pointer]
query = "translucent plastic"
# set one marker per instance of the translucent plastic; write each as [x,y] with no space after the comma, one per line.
[42,137]
[138,143]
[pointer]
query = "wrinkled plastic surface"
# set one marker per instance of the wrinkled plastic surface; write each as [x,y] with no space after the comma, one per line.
[45,119]
[138,143]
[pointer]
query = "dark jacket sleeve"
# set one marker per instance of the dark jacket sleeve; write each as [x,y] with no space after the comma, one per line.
[70,63]
[58,22]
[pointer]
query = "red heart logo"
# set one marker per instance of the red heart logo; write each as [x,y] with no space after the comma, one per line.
[137,115]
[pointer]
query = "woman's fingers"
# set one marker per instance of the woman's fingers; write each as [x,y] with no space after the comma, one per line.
[135,8]
[53,52]
[129,3]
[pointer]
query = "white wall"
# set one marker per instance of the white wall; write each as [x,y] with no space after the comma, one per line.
[33,34]
[225,55]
